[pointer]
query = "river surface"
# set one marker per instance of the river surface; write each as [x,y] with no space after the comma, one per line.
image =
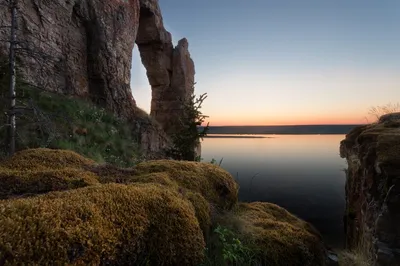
[302,173]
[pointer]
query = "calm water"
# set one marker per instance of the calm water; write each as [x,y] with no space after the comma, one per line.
[302,173]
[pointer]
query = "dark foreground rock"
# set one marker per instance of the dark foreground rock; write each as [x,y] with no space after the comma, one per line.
[373,190]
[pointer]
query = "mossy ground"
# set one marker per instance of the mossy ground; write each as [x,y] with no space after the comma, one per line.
[25,183]
[111,224]
[273,235]
[45,159]
[53,120]
[211,181]
[157,213]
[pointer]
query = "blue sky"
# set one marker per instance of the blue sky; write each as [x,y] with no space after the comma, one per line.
[268,62]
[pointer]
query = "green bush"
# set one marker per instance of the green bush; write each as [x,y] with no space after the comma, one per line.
[187,138]
[225,248]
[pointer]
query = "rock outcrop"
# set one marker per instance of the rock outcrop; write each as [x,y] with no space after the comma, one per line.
[372,218]
[170,70]
[84,48]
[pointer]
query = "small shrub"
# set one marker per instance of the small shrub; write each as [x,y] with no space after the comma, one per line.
[354,258]
[225,248]
[187,137]
[377,111]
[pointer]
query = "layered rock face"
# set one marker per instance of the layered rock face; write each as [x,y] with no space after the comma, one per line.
[373,190]
[84,48]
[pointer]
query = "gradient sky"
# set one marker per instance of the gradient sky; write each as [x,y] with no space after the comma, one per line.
[265,62]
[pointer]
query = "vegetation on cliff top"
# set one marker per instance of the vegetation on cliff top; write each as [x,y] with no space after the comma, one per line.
[161,213]
[52,120]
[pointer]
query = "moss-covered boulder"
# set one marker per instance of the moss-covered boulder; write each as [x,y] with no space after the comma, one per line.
[215,184]
[45,159]
[110,224]
[112,174]
[14,183]
[275,236]
[37,171]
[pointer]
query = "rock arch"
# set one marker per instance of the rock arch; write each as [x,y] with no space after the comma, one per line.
[170,69]
[91,43]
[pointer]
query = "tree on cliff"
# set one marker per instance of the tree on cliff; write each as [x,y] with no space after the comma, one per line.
[187,139]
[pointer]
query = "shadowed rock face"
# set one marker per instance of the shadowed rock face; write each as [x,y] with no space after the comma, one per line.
[90,43]
[372,218]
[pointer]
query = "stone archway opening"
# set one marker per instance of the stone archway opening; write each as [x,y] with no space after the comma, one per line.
[140,87]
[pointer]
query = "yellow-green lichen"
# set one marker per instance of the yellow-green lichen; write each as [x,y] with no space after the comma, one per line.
[214,183]
[276,236]
[22,183]
[45,159]
[111,174]
[110,224]
[202,210]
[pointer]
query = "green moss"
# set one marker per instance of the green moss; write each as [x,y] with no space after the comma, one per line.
[108,173]
[45,159]
[112,174]
[110,224]
[276,236]
[202,210]
[16,183]
[215,184]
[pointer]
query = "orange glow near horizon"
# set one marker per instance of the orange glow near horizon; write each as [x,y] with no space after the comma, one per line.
[283,122]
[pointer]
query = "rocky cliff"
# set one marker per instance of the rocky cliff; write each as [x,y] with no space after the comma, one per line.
[372,217]
[84,48]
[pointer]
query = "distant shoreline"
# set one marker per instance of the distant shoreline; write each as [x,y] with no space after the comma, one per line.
[237,136]
[281,130]
[254,135]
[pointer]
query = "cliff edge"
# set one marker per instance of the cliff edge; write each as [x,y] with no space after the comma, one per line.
[372,219]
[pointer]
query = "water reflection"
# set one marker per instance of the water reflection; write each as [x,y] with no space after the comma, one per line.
[302,173]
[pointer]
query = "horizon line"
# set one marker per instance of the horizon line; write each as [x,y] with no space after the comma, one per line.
[287,125]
